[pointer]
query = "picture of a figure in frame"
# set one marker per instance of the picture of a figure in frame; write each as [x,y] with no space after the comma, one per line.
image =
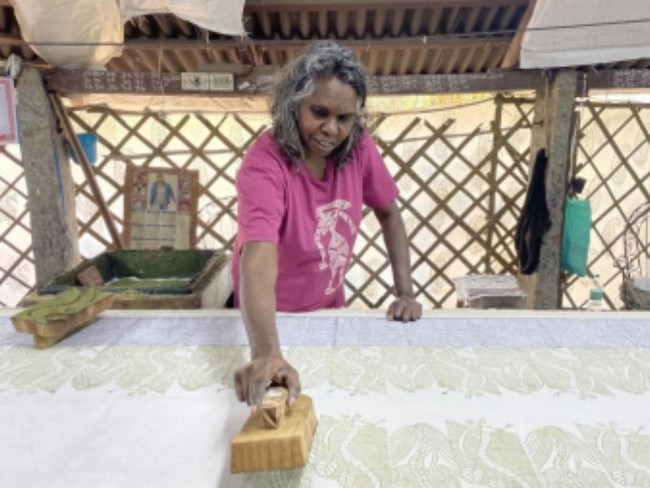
[161,194]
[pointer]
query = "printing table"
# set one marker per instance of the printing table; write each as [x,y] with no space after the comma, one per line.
[461,398]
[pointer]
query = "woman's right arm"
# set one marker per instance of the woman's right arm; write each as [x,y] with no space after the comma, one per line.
[258,271]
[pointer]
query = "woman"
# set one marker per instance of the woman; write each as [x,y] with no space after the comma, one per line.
[301,188]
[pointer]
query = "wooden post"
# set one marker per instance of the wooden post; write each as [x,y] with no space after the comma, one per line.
[494,163]
[548,293]
[51,196]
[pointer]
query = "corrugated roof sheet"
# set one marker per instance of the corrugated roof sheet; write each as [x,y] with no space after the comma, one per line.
[391,38]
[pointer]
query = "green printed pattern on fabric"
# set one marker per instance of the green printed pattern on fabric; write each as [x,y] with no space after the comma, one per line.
[588,373]
[137,369]
[359,446]
[466,455]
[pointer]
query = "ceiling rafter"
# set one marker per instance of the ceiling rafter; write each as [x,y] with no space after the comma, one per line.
[511,58]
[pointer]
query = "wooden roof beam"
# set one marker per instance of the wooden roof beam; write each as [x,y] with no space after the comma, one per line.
[511,58]
[451,60]
[80,82]
[466,61]
[274,45]
[481,58]
[387,62]
[486,22]
[506,17]
[472,20]
[68,82]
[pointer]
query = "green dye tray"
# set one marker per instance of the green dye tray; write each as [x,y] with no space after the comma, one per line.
[149,278]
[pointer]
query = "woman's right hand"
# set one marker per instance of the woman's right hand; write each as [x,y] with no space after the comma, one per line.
[252,380]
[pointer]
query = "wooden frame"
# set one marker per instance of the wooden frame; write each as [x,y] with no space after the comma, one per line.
[169,222]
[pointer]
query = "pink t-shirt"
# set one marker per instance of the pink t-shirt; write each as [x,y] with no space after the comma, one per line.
[313,223]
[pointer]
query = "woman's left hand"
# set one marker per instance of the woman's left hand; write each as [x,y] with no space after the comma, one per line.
[405,309]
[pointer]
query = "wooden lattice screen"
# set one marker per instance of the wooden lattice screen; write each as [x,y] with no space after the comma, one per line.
[461,190]
[211,144]
[613,155]
[462,175]
[17,276]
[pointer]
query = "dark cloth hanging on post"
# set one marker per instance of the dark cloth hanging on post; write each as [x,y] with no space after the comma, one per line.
[534,220]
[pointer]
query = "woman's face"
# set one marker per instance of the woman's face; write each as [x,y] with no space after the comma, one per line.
[326,118]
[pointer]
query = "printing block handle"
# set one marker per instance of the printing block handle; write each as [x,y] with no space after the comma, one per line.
[273,406]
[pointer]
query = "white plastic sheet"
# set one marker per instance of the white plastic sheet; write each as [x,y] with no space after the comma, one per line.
[582,32]
[72,34]
[222,16]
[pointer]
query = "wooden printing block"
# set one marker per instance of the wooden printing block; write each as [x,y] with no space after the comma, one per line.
[90,277]
[277,438]
[53,319]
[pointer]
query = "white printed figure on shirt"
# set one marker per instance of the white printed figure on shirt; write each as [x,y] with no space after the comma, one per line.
[335,252]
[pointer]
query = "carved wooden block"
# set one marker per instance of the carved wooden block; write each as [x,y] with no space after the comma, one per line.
[52,319]
[91,277]
[258,447]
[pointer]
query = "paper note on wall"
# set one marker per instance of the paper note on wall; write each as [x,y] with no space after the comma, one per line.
[8,120]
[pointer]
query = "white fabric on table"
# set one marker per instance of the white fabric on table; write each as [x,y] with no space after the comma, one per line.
[465,399]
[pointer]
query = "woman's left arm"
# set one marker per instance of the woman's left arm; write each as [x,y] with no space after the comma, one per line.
[405,307]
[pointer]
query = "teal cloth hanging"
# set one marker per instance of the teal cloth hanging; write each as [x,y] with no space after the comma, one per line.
[575,236]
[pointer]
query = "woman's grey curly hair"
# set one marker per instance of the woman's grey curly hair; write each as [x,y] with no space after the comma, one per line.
[321,60]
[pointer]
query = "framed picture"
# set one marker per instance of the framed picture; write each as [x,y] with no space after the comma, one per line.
[160,207]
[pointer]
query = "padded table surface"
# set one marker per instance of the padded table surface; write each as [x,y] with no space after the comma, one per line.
[461,398]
